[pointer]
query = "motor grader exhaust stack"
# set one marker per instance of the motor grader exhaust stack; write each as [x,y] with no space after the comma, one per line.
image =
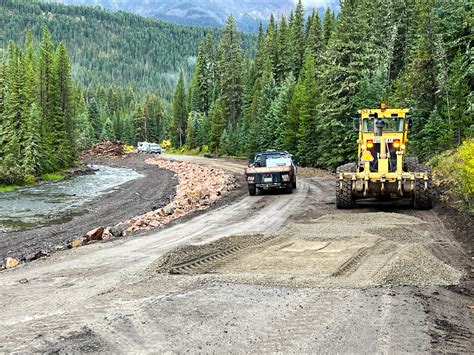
[383,170]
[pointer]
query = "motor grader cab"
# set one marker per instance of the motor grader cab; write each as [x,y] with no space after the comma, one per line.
[383,171]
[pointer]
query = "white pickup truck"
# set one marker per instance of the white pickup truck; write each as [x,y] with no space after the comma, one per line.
[271,170]
[151,148]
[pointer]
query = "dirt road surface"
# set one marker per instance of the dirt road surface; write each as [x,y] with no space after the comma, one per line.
[270,273]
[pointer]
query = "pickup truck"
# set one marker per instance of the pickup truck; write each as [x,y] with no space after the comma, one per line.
[151,148]
[271,170]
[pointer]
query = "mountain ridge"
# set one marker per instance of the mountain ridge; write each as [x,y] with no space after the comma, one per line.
[208,13]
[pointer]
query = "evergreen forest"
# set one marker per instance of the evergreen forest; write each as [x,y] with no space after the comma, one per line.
[310,75]
[72,76]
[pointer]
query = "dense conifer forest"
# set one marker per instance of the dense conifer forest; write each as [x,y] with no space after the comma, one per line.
[110,48]
[310,75]
[93,75]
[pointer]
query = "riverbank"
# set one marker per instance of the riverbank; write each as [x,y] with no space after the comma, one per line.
[154,190]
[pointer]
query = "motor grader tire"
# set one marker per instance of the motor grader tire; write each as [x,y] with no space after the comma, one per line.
[423,197]
[344,198]
[252,190]
[410,164]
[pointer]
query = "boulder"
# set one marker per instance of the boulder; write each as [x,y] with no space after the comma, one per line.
[37,255]
[154,224]
[107,235]
[119,229]
[77,242]
[169,209]
[95,234]
[11,263]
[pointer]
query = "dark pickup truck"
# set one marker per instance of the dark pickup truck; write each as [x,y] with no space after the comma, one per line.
[271,170]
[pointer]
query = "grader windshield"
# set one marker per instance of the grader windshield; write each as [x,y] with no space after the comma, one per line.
[391,125]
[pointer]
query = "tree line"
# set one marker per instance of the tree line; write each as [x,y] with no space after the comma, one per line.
[310,75]
[37,109]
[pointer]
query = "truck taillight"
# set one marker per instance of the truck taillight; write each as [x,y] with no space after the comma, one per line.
[250,178]
[285,177]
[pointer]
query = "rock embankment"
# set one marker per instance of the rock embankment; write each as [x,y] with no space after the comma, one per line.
[198,188]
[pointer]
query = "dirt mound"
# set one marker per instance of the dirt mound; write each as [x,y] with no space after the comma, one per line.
[106,149]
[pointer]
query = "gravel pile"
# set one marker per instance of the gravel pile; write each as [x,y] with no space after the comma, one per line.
[351,250]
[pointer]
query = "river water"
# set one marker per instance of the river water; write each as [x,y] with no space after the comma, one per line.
[58,202]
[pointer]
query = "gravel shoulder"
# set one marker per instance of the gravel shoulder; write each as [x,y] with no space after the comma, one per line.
[155,189]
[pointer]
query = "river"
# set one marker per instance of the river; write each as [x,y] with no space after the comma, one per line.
[55,203]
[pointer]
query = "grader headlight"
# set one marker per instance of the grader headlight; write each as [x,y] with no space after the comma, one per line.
[370,144]
[396,143]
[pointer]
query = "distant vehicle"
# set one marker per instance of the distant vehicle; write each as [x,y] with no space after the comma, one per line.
[151,148]
[271,169]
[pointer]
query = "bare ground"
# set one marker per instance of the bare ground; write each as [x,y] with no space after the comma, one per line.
[292,274]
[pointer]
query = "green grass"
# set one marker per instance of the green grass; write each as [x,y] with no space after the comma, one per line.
[9,188]
[54,177]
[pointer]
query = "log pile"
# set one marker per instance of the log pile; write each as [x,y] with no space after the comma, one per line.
[106,149]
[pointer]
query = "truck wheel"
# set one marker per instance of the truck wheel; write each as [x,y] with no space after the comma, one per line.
[252,190]
[344,198]
[410,164]
[293,184]
[423,198]
[289,189]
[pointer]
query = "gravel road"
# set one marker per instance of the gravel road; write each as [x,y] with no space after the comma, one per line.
[270,273]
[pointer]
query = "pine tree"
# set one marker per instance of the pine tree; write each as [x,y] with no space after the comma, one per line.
[139,124]
[65,139]
[86,135]
[218,124]
[458,111]
[327,26]
[279,111]
[308,132]
[315,41]
[230,71]
[297,29]
[283,67]
[259,56]
[108,132]
[94,118]
[179,113]
[31,159]
[202,82]
[193,128]
[13,120]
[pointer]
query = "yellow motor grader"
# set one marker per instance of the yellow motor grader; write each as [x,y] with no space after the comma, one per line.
[383,170]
